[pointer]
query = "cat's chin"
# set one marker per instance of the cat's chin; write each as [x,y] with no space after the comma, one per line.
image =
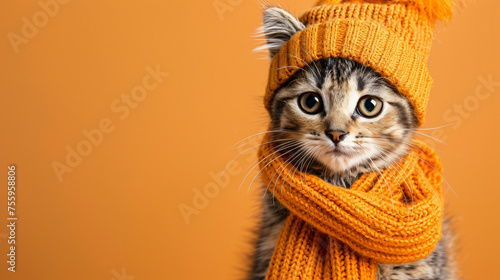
[339,162]
[337,153]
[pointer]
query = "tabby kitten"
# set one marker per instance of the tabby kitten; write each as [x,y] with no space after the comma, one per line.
[341,119]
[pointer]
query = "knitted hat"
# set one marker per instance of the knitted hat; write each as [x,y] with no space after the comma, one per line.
[391,36]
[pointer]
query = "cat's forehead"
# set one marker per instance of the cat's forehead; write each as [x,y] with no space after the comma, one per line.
[330,73]
[337,80]
[318,77]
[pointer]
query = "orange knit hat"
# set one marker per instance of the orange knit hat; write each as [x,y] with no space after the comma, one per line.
[391,36]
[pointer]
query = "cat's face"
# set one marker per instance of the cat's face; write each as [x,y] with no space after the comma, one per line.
[335,116]
[345,117]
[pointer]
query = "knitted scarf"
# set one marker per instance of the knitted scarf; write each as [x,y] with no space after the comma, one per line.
[392,216]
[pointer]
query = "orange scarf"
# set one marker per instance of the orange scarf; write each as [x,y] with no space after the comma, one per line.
[338,233]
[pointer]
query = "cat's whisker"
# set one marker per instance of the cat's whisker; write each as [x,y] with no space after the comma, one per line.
[282,168]
[434,138]
[408,153]
[256,176]
[308,165]
[420,174]
[417,148]
[428,183]
[290,140]
[298,146]
[288,162]
[393,140]
[253,147]
[291,66]
[274,175]
[287,145]
[308,158]
[432,128]
[373,181]
[305,154]
[394,162]
[387,184]
[260,133]
[372,171]
[300,165]
[396,180]
[439,173]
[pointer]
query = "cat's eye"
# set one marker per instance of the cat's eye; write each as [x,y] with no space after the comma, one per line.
[369,106]
[310,103]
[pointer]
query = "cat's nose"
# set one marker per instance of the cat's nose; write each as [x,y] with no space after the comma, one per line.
[336,135]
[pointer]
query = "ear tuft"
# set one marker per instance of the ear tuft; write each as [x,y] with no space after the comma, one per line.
[278,27]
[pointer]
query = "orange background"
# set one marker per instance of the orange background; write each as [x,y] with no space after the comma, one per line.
[119,207]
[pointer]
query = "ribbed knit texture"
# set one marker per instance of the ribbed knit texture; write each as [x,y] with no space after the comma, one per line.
[392,37]
[337,233]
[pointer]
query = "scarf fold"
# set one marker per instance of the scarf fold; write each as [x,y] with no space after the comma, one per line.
[392,216]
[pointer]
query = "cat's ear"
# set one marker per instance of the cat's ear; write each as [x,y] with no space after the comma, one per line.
[278,27]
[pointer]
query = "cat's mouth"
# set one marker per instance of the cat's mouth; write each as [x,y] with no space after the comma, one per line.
[337,151]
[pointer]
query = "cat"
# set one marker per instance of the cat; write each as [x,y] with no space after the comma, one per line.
[356,122]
